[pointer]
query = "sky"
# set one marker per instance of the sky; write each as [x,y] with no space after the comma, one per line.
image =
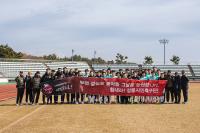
[129,27]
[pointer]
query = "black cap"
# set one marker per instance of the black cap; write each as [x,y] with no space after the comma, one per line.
[20,71]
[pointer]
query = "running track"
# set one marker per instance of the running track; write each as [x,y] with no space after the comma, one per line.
[7,91]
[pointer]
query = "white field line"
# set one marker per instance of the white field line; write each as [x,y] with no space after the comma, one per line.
[20,119]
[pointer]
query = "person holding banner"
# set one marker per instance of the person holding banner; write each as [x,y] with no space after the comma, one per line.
[59,75]
[162,98]
[65,75]
[118,75]
[134,76]
[46,78]
[143,77]
[124,99]
[80,98]
[170,87]
[151,99]
[99,97]
[91,98]
[106,74]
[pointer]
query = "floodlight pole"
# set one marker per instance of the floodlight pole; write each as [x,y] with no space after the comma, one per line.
[164,42]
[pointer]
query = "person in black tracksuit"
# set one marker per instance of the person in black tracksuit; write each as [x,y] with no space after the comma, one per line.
[169,87]
[45,78]
[184,86]
[59,75]
[177,88]
[36,87]
[162,77]
[29,90]
[20,84]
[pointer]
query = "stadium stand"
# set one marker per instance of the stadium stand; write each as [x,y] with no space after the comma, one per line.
[173,68]
[114,66]
[192,71]
[70,65]
[2,78]
[196,70]
[10,68]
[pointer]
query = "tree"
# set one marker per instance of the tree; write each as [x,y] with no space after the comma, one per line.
[120,59]
[111,62]
[148,60]
[77,58]
[8,52]
[51,57]
[98,60]
[175,60]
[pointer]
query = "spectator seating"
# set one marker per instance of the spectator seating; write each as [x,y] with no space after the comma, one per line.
[10,69]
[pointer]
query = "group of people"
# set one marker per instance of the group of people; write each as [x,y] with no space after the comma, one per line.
[32,86]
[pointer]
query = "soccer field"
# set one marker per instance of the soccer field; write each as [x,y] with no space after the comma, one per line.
[140,118]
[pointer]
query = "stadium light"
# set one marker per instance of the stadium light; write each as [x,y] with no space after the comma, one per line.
[72,55]
[164,42]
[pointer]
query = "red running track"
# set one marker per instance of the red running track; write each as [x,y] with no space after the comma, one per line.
[7,91]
